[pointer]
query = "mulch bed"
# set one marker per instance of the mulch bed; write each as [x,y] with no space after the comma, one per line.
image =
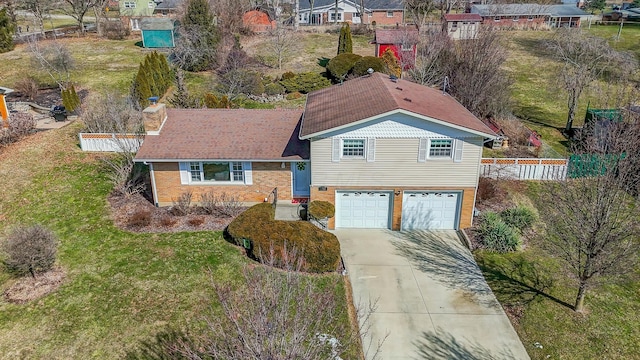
[136,214]
[27,288]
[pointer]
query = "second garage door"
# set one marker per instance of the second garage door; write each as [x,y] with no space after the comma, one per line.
[362,209]
[430,210]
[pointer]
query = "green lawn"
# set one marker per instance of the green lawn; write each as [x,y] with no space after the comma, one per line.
[532,283]
[121,288]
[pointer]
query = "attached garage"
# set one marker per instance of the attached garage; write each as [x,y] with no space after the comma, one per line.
[430,210]
[363,209]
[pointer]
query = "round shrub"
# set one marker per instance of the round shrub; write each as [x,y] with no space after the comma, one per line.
[321,209]
[496,235]
[30,250]
[520,217]
[368,62]
[319,249]
[305,82]
[341,65]
[293,96]
[288,75]
[274,89]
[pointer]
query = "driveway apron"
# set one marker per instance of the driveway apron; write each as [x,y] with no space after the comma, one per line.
[431,300]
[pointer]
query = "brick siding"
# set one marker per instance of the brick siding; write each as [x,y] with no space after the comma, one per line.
[381,18]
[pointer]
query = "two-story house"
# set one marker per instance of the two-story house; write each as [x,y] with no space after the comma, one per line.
[388,153]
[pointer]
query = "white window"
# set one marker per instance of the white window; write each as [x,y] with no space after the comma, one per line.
[135,24]
[496,18]
[389,13]
[353,148]
[530,18]
[516,18]
[151,4]
[440,148]
[129,4]
[333,16]
[216,172]
[406,47]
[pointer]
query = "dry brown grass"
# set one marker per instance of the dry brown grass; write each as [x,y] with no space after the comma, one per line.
[27,288]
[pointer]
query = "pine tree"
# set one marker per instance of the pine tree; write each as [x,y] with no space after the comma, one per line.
[345,44]
[181,98]
[7,29]
[200,38]
[391,63]
[75,99]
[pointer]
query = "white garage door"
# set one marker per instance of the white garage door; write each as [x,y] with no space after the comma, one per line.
[430,210]
[355,209]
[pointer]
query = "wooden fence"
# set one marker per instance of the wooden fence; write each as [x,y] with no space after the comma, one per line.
[110,142]
[524,169]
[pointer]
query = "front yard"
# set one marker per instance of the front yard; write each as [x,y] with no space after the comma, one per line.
[535,292]
[121,288]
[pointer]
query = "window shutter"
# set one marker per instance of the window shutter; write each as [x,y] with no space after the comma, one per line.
[371,150]
[335,151]
[248,173]
[185,175]
[457,150]
[423,148]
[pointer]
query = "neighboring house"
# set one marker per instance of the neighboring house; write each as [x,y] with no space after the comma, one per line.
[132,11]
[402,42]
[157,32]
[522,16]
[324,12]
[258,21]
[462,26]
[385,12]
[403,156]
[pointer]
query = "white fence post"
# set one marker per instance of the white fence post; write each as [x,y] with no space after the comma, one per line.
[108,142]
[524,168]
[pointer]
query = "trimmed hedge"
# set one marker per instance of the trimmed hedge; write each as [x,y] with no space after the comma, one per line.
[362,65]
[304,82]
[321,209]
[320,249]
[341,65]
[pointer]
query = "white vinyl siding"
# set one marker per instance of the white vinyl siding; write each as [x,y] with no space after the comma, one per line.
[395,165]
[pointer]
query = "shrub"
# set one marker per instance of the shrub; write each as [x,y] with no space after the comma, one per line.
[363,65]
[305,82]
[274,89]
[114,30]
[30,250]
[486,189]
[341,65]
[182,205]
[140,218]
[520,218]
[167,221]
[288,75]
[321,209]
[220,204]
[20,125]
[293,96]
[319,249]
[27,86]
[197,221]
[496,235]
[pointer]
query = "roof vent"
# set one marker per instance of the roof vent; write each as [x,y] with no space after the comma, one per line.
[398,88]
[369,71]
[407,99]
[393,78]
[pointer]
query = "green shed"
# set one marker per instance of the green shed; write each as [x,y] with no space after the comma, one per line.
[157,32]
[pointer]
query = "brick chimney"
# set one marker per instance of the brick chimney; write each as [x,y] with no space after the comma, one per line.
[153,117]
[4,111]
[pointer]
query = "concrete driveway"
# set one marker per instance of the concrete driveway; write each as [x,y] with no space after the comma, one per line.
[432,300]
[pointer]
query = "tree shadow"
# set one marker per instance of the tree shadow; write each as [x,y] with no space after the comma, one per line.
[446,260]
[518,281]
[443,345]
[166,345]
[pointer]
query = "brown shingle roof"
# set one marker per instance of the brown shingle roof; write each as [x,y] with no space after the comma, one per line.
[369,96]
[462,17]
[238,134]
[396,36]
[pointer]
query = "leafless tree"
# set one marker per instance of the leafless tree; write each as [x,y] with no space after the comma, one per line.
[11,6]
[229,14]
[30,250]
[435,52]
[281,43]
[77,9]
[114,114]
[592,218]
[584,59]
[39,9]
[54,58]
[419,10]
[277,315]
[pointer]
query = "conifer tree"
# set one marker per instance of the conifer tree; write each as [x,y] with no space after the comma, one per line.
[345,43]
[391,63]
[7,29]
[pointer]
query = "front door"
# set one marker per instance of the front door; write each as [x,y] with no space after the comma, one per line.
[301,179]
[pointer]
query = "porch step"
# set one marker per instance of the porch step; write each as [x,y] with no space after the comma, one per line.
[287,211]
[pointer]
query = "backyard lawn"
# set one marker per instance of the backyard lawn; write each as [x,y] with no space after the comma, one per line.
[121,288]
[533,289]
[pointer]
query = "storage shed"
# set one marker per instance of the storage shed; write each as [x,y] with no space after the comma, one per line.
[157,32]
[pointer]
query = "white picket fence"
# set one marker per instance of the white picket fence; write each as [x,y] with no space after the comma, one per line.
[524,169]
[110,142]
